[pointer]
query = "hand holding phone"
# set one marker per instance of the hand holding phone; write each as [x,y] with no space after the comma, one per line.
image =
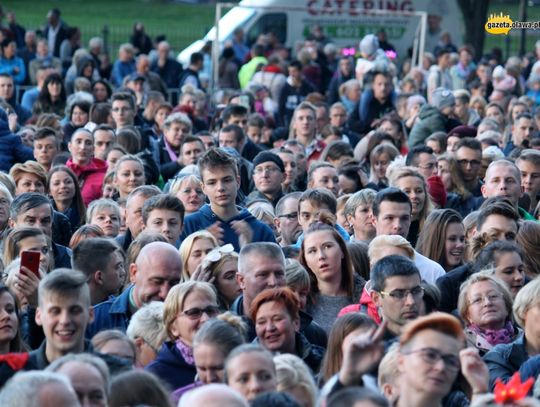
[30,260]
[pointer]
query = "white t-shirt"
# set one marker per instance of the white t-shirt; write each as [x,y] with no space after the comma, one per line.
[430,271]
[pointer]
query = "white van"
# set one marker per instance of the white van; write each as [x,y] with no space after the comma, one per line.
[343,21]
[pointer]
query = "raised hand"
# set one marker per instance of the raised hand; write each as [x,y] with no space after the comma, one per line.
[244,232]
[217,231]
[361,355]
[26,283]
[474,370]
[203,273]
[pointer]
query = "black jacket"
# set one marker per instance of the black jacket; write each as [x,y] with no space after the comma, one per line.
[449,285]
[312,355]
[62,256]
[38,359]
[250,150]
[167,167]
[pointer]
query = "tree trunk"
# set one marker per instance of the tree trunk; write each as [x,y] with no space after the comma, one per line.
[475,16]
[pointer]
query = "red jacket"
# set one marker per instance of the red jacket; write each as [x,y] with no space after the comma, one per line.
[366,306]
[90,178]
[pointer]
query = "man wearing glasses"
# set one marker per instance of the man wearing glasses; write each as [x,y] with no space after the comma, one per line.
[268,174]
[124,114]
[422,157]
[397,293]
[286,220]
[469,157]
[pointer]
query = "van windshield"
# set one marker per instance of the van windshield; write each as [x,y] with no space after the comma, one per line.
[236,17]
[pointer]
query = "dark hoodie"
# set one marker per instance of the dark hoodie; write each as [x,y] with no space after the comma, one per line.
[12,150]
[171,367]
[82,63]
[205,217]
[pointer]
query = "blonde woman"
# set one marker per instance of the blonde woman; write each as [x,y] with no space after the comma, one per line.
[187,307]
[193,250]
[28,177]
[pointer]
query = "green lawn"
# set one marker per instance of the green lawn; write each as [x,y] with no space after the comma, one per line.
[181,23]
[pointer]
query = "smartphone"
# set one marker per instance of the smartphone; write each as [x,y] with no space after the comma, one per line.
[30,260]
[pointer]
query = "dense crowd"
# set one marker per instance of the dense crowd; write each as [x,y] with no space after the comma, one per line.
[317,229]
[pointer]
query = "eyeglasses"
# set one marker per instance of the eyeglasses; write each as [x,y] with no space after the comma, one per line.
[217,253]
[428,166]
[292,215]
[399,295]
[432,357]
[196,313]
[472,163]
[269,170]
[481,300]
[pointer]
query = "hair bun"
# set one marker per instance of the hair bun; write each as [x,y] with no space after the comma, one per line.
[235,321]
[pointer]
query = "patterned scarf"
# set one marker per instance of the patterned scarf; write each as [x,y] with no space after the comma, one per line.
[494,336]
[186,351]
[170,150]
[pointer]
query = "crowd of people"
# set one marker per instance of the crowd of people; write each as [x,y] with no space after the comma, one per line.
[317,230]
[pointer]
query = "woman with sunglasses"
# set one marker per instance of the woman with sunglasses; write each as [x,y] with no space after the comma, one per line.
[219,267]
[187,307]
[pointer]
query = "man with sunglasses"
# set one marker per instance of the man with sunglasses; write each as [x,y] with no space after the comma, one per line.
[157,269]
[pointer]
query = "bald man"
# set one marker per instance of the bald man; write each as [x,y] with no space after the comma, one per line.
[503,178]
[213,395]
[157,268]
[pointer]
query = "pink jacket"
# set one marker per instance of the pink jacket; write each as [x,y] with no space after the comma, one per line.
[90,178]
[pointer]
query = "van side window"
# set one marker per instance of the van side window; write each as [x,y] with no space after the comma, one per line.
[270,22]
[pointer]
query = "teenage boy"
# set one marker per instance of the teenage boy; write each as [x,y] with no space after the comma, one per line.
[158,267]
[164,214]
[64,311]
[528,163]
[312,203]
[226,221]
[238,115]
[391,215]
[102,261]
[46,147]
